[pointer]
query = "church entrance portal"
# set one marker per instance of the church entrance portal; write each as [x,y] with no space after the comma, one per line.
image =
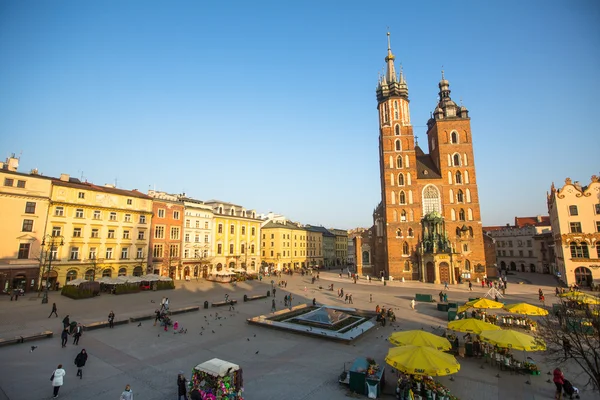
[430,272]
[444,272]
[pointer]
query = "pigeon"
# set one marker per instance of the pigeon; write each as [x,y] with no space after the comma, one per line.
[213,331]
[248,339]
[201,333]
[497,375]
[220,324]
[152,301]
[32,349]
[140,324]
[255,335]
[159,335]
[256,352]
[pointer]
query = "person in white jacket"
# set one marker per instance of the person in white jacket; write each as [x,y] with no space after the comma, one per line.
[57,379]
[127,394]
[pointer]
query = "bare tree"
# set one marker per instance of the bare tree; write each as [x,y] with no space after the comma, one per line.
[572,333]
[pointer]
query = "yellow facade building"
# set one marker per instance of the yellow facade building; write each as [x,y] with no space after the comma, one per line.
[284,245]
[575,218]
[24,200]
[236,243]
[104,230]
[341,246]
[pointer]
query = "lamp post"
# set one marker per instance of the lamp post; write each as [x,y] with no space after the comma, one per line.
[52,242]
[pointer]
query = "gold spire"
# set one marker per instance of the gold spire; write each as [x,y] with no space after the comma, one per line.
[389,59]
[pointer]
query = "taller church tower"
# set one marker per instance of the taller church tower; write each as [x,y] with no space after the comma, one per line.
[428,224]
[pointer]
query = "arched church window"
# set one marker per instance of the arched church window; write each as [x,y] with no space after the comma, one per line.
[410,232]
[460,198]
[396,113]
[406,266]
[392,181]
[403,216]
[458,177]
[400,179]
[457,231]
[398,145]
[405,248]
[470,231]
[398,232]
[467,265]
[402,198]
[461,215]
[456,160]
[399,162]
[454,137]
[397,128]
[431,200]
[385,112]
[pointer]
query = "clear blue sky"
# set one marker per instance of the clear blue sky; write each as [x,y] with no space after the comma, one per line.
[272,104]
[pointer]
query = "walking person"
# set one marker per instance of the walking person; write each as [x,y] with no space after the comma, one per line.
[156,316]
[53,311]
[64,336]
[350,299]
[346,298]
[57,379]
[127,393]
[66,322]
[167,304]
[412,304]
[77,334]
[80,361]
[470,286]
[441,294]
[559,380]
[273,306]
[446,285]
[181,386]
[162,303]
[111,319]
[370,298]
[274,290]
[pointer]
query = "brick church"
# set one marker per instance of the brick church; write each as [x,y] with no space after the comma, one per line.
[427,226]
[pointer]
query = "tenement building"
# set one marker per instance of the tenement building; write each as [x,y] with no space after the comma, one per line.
[428,224]
[575,217]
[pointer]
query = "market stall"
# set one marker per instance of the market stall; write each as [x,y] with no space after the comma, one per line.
[221,276]
[366,377]
[218,380]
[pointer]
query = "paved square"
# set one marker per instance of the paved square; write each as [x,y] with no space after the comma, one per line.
[276,364]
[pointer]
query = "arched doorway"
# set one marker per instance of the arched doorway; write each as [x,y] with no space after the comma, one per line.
[513,266]
[107,273]
[52,278]
[71,275]
[89,275]
[20,281]
[522,267]
[503,265]
[583,276]
[531,267]
[122,272]
[444,272]
[430,272]
[186,272]
[137,271]
[232,265]
[219,267]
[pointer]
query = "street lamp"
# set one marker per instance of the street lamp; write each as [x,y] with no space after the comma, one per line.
[53,243]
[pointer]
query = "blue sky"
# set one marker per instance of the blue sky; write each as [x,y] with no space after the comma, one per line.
[272,104]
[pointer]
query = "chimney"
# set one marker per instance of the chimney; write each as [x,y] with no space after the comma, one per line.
[539,219]
[34,171]
[64,177]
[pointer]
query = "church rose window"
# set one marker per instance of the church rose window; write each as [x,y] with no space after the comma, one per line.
[431,200]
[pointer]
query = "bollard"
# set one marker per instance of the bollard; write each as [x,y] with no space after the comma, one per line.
[268,293]
[245,298]
[206,304]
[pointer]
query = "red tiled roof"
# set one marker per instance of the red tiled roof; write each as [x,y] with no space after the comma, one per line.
[524,221]
[105,189]
[494,228]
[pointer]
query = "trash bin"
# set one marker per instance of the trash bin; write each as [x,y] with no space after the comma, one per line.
[469,349]
[206,304]
[245,298]
[268,293]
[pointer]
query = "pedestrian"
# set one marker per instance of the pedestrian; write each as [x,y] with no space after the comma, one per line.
[566,346]
[370,298]
[64,337]
[175,326]
[446,285]
[441,294]
[181,386]
[559,380]
[53,311]
[80,361]
[77,334]
[369,278]
[314,301]
[231,305]
[226,298]
[377,309]
[162,303]
[167,304]
[346,298]
[111,319]
[496,298]
[445,297]
[66,322]
[483,284]
[156,316]
[470,286]
[127,393]
[342,292]
[273,307]
[57,379]
[285,300]
[274,290]
[195,394]
[350,298]
[412,304]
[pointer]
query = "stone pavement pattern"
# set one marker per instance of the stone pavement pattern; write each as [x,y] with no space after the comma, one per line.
[287,365]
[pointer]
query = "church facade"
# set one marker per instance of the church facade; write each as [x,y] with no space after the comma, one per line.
[427,226]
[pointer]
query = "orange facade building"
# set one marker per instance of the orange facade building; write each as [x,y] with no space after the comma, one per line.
[428,224]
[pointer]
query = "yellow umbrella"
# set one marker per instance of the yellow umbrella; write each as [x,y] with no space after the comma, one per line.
[573,294]
[589,299]
[512,340]
[480,303]
[472,325]
[419,360]
[526,309]
[420,338]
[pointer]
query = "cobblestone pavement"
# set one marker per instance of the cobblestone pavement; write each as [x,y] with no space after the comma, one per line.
[276,364]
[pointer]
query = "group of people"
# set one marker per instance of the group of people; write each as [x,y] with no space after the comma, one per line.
[58,377]
[383,315]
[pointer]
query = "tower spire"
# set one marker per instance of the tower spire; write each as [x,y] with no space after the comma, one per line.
[389,59]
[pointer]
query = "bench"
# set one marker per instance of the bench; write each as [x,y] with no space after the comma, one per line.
[424,297]
[185,310]
[257,297]
[104,324]
[474,298]
[26,338]
[223,303]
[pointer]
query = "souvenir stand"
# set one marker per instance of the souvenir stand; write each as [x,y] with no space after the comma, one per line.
[366,377]
[218,380]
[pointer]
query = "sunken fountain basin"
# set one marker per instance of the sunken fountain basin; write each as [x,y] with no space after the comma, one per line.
[326,322]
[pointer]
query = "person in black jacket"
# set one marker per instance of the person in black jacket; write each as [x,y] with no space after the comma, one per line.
[64,336]
[66,322]
[181,386]
[80,361]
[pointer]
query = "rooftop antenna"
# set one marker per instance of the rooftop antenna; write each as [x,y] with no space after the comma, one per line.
[116,181]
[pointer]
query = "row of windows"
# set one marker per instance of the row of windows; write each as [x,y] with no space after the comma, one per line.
[92,255]
[188,224]
[158,251]
[458,177]
[573,210]
[162,212]
[400,162]
[232,248]
[410,233]
[196,238]
[511,253]
[11,182]
[232,212]
[59,211]
[580,250]
[197,253]
[95,233]
[401,181]
[520,243]
[232,229]
[159,232]
[106,273]
[288,254]
[454,160]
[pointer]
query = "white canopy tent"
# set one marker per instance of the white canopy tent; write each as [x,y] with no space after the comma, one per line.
[76,282]
[217,367]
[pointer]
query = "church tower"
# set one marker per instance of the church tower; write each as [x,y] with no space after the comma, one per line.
[428,224]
